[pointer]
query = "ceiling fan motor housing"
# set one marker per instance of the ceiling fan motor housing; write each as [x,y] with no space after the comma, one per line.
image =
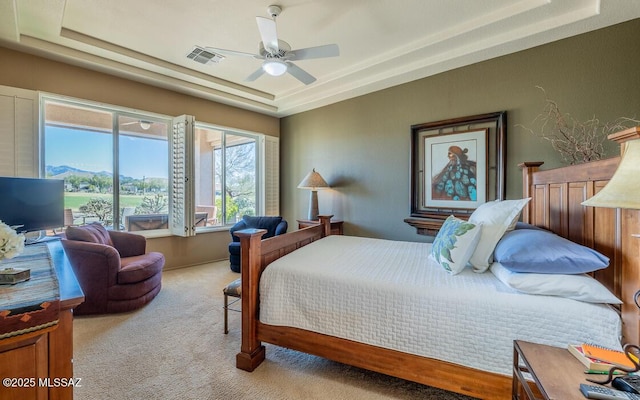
[283,48]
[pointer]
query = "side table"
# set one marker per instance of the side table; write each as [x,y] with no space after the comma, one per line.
[336,225]
[556,373]
[45,353]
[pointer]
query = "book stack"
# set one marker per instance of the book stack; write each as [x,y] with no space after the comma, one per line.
[598,359]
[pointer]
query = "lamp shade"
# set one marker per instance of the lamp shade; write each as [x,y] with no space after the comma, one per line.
[623,189]
[313,181]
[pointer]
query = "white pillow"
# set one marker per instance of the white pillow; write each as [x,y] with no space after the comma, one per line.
[496,217]
[454,244]
[580,287]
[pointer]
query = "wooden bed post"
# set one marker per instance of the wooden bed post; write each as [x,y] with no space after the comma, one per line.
[528,168]
[252,352]
[325,221]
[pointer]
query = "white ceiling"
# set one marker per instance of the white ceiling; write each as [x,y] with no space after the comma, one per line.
[382,42]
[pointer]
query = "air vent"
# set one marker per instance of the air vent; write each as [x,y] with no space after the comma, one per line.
[202,56]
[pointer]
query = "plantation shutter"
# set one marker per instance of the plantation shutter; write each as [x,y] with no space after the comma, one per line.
[271,175]
[19,139]
[181,178]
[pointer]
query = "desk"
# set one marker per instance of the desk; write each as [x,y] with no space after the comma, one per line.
[48,352]
[556,373]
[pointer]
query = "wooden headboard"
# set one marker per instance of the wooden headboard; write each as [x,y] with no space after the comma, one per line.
[556,197]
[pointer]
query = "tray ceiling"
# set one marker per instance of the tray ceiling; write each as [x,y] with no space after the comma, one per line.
[382,43]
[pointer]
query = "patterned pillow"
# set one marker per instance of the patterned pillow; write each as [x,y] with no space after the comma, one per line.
[455,243]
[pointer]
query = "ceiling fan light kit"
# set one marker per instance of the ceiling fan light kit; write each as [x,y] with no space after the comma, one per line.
[274,67]
[276,54]
[145,125]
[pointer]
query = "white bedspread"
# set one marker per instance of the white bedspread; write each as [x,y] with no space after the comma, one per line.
[391,294]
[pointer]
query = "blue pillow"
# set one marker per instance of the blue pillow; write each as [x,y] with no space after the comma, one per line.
[524,225]
[544,252]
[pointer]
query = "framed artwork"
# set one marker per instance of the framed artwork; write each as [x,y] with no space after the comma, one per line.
[456,165]
[455,169]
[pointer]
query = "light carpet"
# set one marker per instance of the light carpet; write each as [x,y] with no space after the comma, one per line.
[175,348]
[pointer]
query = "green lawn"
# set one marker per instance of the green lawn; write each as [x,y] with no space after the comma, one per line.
[74,200]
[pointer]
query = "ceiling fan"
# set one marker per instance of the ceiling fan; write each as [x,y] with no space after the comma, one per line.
[143,124]
[277,55]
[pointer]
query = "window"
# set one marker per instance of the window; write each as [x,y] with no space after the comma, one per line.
[114,163]
[132,171]
[226,174]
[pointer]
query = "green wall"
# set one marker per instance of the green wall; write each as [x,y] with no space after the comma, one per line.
[362,146]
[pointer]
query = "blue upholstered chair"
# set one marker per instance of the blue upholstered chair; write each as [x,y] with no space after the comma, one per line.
[274,226]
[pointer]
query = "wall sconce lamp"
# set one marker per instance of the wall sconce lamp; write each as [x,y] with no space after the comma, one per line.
[313,181]
[623,189]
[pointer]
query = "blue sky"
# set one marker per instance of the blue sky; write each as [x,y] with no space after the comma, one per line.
[92,151]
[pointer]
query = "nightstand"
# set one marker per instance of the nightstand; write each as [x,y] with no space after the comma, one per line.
[556,374]
[336,225]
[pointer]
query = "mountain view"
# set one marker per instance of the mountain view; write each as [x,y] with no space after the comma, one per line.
[62,171]
[78,180]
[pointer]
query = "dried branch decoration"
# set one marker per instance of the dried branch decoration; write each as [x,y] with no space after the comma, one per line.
[577,142]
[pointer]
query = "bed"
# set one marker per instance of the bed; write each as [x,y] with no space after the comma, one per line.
[555,205]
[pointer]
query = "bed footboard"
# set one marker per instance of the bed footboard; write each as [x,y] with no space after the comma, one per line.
[255,255]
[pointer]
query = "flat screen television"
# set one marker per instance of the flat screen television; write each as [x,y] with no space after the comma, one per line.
[32,204]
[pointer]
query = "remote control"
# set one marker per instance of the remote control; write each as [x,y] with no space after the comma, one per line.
[605,393]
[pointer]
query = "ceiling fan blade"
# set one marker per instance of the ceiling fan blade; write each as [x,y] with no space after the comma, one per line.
[257,74]
[328,50]
[232,52]
[300,74]
[268,33]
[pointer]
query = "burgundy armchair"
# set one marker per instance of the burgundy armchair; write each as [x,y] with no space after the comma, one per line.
[113,269]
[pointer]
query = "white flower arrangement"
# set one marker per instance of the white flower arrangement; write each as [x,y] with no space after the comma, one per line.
[11,242]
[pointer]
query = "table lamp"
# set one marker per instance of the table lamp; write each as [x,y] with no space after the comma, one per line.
[623,189]
[313,181]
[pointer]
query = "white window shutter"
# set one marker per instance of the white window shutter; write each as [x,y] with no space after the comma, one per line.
[19,138]
[272,175]
[181,178]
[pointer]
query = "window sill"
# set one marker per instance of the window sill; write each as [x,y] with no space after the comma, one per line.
[160,233]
